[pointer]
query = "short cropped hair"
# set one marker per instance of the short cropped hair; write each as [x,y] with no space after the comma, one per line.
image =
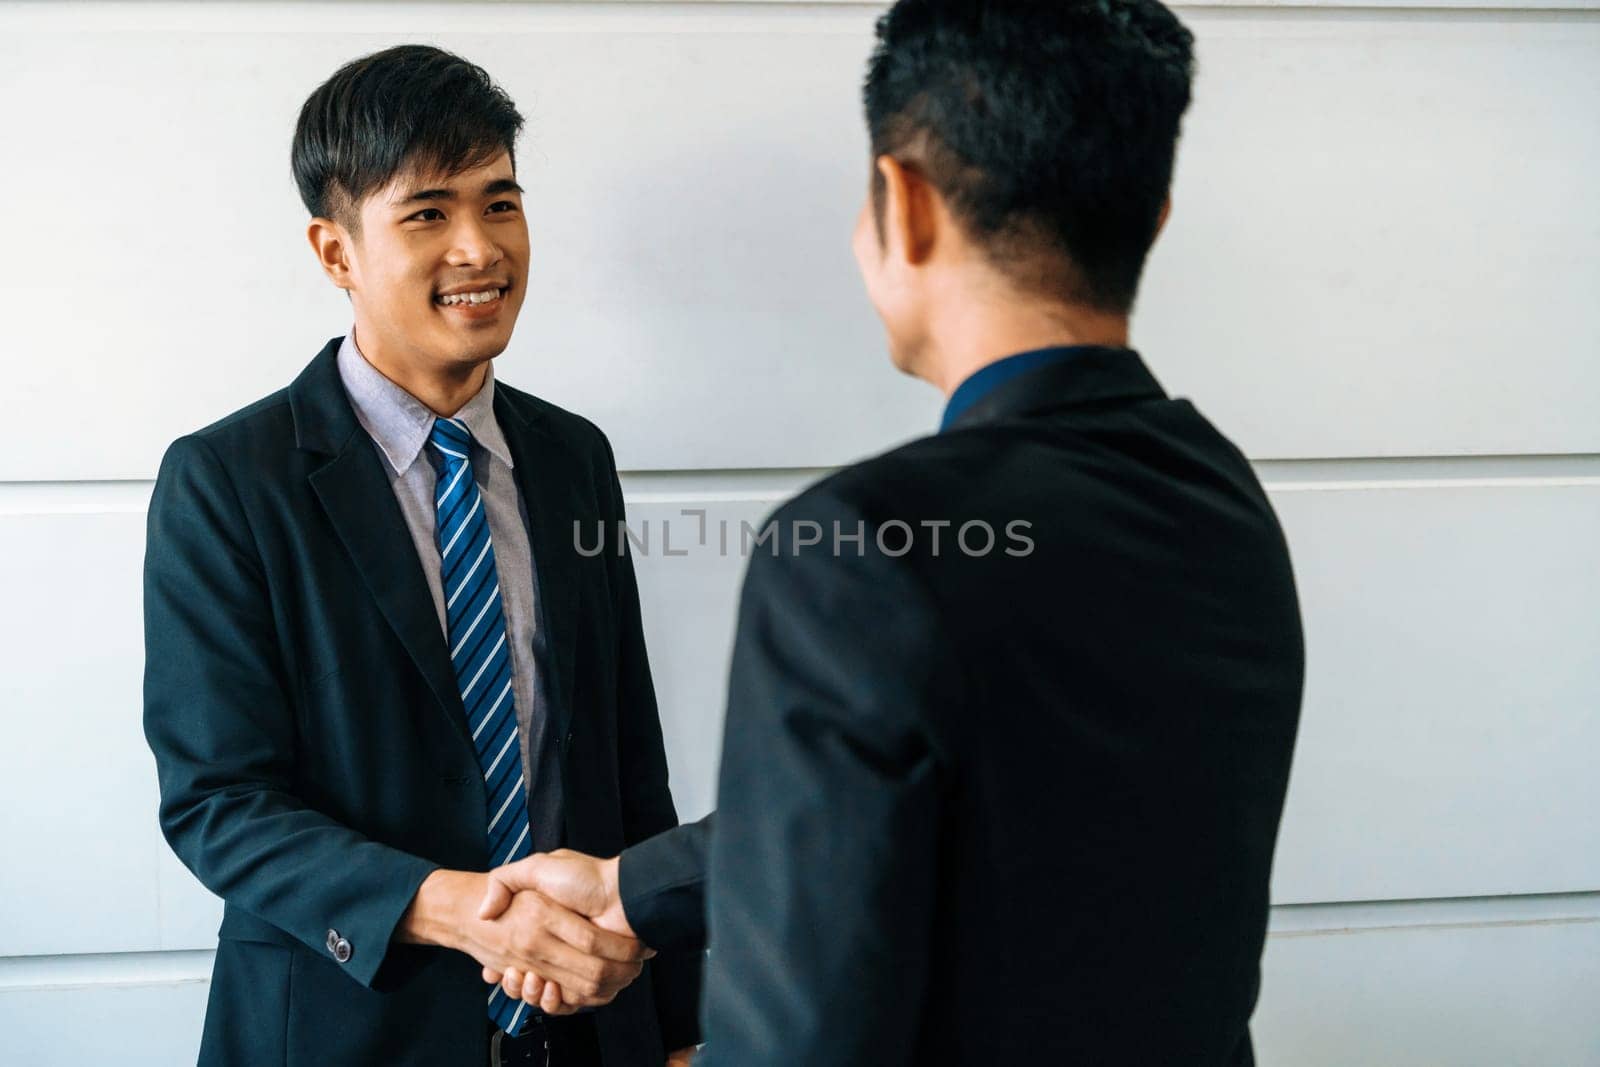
[1048,126]
[407,106]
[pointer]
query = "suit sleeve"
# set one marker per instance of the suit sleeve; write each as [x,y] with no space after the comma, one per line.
[663,886]
[823,864]
[647,807]
[220,723]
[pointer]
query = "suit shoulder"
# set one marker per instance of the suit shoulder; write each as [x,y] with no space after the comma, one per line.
[568,425]
[265,417]
[265,424]
[918,469]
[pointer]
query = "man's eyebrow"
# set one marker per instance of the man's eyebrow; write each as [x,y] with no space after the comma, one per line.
[494,188]
[429,194]
[501,185]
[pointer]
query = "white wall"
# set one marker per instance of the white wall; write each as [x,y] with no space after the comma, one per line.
[1380,279]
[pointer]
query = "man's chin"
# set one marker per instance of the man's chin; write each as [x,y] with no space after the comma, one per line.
[902,360]
[479,340]
[476,356]
[470,348]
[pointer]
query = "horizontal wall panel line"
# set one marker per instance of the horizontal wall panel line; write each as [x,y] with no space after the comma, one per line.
[1427,472]
[717,486]
[1484,925]
[1295,920]
[760,483]
[411,17]
[657,16]
[105,968]
[1291,920]
[58,498]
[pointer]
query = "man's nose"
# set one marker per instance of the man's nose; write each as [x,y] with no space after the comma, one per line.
[473,246]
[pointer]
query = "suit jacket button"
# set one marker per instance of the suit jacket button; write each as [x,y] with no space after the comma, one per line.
[341,951]
[333,940]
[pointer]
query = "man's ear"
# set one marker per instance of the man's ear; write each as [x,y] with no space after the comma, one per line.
[913,213]
[331,243]
[1161,219]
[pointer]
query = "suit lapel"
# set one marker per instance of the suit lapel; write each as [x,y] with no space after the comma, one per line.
[545,469]
[361,505]
[355,493]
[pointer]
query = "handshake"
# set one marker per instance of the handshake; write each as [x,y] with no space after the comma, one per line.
[567,944]
[548,929]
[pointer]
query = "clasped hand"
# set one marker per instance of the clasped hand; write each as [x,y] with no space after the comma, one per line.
[565,886]
[509,926]
[585,951]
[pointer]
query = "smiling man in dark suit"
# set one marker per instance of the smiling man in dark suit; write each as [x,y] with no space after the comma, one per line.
[376,666]
[989,799]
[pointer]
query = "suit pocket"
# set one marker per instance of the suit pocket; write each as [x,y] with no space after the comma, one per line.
[248,1009]
[434,1017]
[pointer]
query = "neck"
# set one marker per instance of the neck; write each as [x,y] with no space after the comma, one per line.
[444,390]
[968,338]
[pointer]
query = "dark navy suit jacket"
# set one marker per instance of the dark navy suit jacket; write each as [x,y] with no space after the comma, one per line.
[313,757]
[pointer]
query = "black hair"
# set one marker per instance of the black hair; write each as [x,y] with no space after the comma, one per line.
[1049,127]
[408,106]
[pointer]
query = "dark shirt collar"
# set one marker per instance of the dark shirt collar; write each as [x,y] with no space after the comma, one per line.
[1051,379]
[987,378]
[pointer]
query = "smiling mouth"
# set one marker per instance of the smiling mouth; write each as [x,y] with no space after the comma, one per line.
[475,298]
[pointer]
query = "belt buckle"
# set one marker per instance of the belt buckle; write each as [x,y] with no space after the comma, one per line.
[496,1058]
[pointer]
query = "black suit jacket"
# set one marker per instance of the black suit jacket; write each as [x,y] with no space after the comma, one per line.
[313,757]
[1002,808]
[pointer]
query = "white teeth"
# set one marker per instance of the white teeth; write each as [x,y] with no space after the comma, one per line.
[480,297]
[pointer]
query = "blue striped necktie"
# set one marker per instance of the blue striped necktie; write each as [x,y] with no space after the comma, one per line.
[477,633]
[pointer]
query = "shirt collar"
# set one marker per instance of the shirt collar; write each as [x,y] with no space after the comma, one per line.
[985,379]
[400,423]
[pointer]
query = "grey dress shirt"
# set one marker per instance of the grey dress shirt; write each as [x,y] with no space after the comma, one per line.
[400,425]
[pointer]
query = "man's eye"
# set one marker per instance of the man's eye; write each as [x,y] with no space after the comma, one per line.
[503,206]
[422,216]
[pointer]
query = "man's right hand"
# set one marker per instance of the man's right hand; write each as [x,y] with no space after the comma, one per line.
[574,880]
[584,884]
[532,934]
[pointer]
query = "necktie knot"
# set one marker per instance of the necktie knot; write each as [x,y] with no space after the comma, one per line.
[452,440]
